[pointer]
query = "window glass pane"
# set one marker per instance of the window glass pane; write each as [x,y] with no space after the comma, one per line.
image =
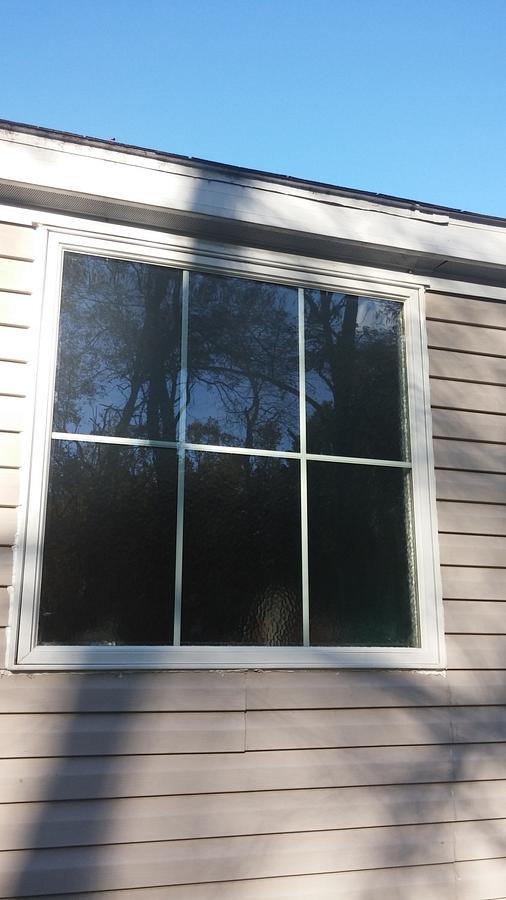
[355,399]
[108,572]
[361,570]
[243,364]
[242,557]
[118,349]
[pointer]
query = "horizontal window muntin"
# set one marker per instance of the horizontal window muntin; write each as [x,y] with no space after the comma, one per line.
[216,448]
[183,447]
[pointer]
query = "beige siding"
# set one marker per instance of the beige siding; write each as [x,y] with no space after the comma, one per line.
[276,785]
[467,367]
[475,617]
[468,426]
[17,250]
[472,456]
[377,884]
[472,518]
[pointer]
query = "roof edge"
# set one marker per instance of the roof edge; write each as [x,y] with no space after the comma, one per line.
[335,190]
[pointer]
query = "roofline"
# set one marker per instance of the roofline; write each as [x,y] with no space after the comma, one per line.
[336,190]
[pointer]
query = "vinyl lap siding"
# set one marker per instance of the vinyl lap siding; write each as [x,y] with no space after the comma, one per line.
[284,785]
[16,277]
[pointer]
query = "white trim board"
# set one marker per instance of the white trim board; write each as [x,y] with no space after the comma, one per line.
[196,190]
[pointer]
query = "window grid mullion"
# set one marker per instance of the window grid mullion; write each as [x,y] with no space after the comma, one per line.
[303,475]
[216,448]
[181,434]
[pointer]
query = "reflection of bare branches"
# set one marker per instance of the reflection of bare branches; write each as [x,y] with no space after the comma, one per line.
[119,348]
[352,371]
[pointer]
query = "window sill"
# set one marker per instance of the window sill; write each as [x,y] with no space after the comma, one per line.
[72,658]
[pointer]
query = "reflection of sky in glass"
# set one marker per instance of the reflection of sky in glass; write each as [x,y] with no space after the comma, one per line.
[119,349]
[354,358]
[243,364]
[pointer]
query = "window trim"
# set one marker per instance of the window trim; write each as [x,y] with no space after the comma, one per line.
[135,244]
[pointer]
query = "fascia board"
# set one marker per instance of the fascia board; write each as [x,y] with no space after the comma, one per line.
[197,191]
[230,174]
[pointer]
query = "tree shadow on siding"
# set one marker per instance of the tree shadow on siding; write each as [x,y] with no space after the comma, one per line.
[88,734]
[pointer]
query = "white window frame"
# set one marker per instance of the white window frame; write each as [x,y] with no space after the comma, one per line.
[183,253]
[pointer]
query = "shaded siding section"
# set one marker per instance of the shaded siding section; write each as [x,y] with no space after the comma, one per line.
[272,785]
[17,247]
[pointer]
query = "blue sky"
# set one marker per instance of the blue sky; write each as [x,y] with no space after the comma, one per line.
[404,98]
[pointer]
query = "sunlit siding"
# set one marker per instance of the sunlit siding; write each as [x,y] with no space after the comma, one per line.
[16,282]
[276,785]
[468,389]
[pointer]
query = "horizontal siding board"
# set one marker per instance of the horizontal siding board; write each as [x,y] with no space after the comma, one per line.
[8,525]
[476,651]
[16,241]
[345,728]
[15,309]
[15,344]
[472,550]
[93,733]
[435,882]
[481,879]
[9,486]
[171,818]
[485,398]
[420,883]
[469,455]
[475,617]
[341,689]
[480,724]
[477,487]
[16,275]
[471,518]
[468,426]
[191,691]
[10,449]
[81,777]
[12,414]
[478,761]
[460,583]
[480,840]
[467,311]
[13,378]
[370,727]
[218,859]
[479,800]
[466,366]
[448,336]
[141,692]
[477,688]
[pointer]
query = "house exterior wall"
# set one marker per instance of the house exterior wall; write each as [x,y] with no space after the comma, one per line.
[262,785]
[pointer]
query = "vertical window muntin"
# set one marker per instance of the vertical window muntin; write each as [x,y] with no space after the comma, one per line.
[183,447]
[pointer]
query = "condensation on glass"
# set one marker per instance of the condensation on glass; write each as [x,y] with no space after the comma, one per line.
[190,459]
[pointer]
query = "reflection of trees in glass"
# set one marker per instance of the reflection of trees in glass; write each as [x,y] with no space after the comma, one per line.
[119,348]
[353,377]
[109,558]
[242,556]
[108,572]
[243,363]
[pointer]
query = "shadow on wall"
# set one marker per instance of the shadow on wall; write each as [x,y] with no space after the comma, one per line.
[342,772]
[303,772]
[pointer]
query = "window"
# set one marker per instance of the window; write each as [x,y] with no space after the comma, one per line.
[233,469]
